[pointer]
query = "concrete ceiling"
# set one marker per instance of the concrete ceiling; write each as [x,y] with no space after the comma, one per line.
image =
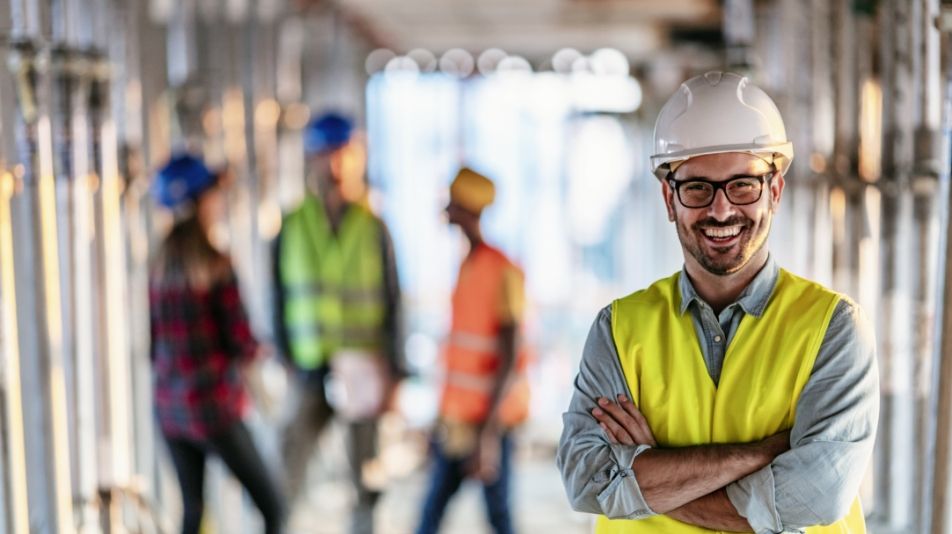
[534,29]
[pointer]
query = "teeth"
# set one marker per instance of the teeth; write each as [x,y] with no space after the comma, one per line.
[722,232]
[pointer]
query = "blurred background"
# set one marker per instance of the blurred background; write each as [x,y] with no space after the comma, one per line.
[553,99]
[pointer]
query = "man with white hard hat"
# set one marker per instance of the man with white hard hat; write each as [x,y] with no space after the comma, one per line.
[732,395]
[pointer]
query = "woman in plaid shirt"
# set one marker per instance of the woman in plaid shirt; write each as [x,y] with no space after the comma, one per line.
[200,341]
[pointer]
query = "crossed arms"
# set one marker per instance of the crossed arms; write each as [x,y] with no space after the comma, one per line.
[687,483]
[761,486]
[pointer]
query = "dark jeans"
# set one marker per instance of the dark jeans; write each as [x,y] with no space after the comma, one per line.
[448,475]
[300,442]
[235,447]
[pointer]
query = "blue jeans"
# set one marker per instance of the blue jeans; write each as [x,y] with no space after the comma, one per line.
[448,475]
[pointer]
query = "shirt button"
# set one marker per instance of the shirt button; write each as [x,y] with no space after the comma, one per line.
[717,339]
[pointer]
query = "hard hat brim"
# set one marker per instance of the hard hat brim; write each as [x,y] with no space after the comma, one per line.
[660,163]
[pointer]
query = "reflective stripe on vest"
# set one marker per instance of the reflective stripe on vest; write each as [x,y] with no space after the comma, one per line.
[766,366]
[472,349]
[474,342]
[333,284]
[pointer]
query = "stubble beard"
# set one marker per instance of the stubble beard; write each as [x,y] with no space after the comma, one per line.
[748,247]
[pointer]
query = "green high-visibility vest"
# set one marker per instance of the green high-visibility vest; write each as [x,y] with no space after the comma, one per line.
[333,284]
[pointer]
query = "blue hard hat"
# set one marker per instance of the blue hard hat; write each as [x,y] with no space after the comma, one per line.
[326,132]
[183,178]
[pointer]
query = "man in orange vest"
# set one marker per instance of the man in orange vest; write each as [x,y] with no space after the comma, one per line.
[485,394]
[732,395]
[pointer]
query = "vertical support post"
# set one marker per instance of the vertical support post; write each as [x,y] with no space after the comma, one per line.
[925,180]
[941,499]
[896,465]
[51,508]
[16,505]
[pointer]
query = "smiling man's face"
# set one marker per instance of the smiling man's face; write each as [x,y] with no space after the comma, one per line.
[724,237]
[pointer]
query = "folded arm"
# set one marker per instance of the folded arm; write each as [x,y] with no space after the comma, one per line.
[713,511]
[597,474]
[817,481]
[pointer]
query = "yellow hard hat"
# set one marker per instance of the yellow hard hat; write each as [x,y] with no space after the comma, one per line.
[472,191]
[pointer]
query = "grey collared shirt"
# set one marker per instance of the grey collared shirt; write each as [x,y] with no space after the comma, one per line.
[815,482]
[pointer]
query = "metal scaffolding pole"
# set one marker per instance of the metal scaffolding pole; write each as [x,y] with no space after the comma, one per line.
[847,195]
[111,273]
[15,506]
[127,61]
[71,132]
[822,125]
[739,34]
[896,464]
[290,185]
[36,264]
[941,499]
[925,178]
[152,116]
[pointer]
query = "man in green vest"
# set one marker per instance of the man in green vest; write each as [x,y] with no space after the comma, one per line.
[734,395]
[337,311]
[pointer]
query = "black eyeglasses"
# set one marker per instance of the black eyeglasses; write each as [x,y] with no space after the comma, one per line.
[740,190]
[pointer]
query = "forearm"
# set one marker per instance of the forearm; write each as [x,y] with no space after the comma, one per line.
[597,475]
[507,366]
[671,478]
[713,511]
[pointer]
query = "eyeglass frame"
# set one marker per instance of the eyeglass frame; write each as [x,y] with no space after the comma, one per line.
[722,185]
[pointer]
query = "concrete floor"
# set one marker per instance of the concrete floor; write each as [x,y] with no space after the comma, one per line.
[539,500]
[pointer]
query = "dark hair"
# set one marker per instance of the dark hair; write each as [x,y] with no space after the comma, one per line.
[187,256]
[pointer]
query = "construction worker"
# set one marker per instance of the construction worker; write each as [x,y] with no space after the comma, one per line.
[485,394]
[201,340]
[733,395]
[338,308]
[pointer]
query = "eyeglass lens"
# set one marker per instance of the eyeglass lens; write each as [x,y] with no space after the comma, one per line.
[740,191]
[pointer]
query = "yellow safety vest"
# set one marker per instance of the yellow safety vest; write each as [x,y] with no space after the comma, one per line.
[766,366]
[333,284]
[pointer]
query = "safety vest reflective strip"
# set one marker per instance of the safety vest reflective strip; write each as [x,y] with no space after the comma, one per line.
[333,284]
[766,366]
[483,384]
[474,342]
[481,352]
[349,294]
[354,336]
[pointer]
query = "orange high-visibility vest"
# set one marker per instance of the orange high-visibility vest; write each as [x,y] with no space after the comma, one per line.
[472,351]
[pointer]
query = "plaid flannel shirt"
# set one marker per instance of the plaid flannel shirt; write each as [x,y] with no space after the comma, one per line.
[200,339]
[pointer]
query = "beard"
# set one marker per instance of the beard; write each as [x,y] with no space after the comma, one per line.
[729,259]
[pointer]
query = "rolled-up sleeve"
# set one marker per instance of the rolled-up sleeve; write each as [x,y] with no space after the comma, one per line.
[817,480]
[597,474]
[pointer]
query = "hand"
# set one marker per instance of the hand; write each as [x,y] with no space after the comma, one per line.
[265,351]
[623,423]
[485,463]
[389,401]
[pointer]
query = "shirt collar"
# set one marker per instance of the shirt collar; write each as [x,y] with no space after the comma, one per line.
[753,300]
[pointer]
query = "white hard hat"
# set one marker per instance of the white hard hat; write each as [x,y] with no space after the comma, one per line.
[715,113]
